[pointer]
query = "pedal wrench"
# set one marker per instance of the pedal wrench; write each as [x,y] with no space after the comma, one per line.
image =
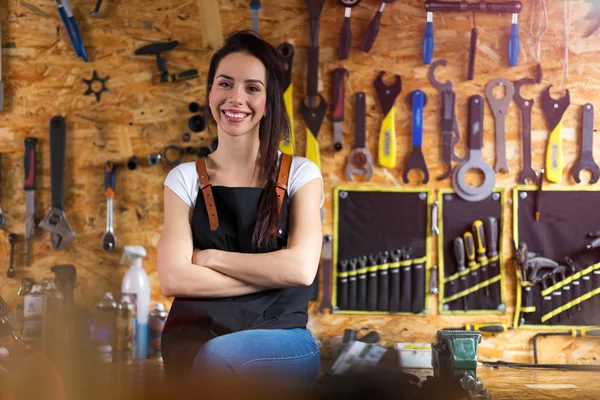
[415,158]
[525,105]
[387,94]
[499,108]
[56,221]
[586,157]
[359,161]
[554,111]
[475,159]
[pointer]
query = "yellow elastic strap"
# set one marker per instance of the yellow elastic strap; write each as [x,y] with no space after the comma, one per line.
[361,271]
[570,304]
[472,289]
[570,279]
[374,268]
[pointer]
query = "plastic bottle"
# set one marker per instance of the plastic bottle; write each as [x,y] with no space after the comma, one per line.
[158,317]
[125,341]
[136,287]
[105,326]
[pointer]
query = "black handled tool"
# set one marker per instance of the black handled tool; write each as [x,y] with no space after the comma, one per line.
[491,327]
[459,254]
[586,155]
[12,239]
[352,297]
[372,280]
[395,280]
[373,28]
[30,168]
[326,268]
[479,235]
[156,49]
[491,233]
[406,281]
[342,286]
[471,263]
[419,283]
[339,75]
[383,280]
[345,32]
[361,282]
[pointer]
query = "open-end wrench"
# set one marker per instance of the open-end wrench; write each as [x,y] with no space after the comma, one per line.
[527,172]
[327,267]
[586,157]
[339,75]
[359,161]
[554,110]
[56,221]
[109,240]
[418,100]
[475,159]
[450,131]
[499,108]
[30,168]
[387,135]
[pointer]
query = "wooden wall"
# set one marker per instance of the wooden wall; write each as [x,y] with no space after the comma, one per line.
[43,78]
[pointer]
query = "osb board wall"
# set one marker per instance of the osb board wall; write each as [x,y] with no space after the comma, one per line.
[43,78]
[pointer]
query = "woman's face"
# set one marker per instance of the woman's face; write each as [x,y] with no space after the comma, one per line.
[238,94]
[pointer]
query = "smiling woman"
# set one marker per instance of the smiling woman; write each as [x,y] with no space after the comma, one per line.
[241,238]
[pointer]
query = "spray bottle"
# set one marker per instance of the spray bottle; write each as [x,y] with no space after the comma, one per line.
[136,287]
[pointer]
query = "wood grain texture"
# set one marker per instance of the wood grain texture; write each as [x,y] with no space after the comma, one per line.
[43,78]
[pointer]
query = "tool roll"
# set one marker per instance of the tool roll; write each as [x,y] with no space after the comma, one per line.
[469,254]
[558,257]
[380,250]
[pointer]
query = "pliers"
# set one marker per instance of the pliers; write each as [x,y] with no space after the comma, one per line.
[64,9]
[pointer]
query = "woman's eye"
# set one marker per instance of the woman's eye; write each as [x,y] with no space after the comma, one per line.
[254,88]
[224,84]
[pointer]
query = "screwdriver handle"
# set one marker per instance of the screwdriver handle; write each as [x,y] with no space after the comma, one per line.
[459,252]
[492,236]
[109,178]
[513,42]
[479,234]
[428,40]
[345,37]
[594,332]
[30,162]
[372,31]
[488,328]
[185,75]
[469,247]
[255,4]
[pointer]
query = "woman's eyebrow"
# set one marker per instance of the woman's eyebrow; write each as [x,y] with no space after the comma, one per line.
[247,80]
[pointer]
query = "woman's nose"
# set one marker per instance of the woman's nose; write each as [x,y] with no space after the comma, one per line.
[237,95]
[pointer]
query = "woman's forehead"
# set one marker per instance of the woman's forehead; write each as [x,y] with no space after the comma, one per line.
[241,66]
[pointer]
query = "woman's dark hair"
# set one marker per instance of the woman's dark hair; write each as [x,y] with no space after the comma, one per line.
[274,126]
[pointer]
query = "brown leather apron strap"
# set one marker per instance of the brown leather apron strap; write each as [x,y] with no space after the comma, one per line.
[206,187]
[282,179]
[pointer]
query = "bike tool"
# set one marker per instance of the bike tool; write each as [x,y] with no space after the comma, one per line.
[463,280]
[64,9]
[30,209]
[345,33]
[327,269]
[90,84]
[155,49]
[480,247]
[313,113]
[109,240]
[471,264]
[387,94]
[339,75]
[373,28]
[492,234]
[525,105]
[450,130]
[12,239]
[499,107]
[359,162]
[418,100]
[512,7]
[255,6]
[554,111]
[286,52]
[586,156]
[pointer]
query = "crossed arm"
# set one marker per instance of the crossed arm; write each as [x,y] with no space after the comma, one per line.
[187,272]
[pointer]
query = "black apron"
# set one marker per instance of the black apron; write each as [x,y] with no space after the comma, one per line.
[194,321]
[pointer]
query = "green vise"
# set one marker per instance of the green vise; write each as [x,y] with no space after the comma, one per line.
[454,359]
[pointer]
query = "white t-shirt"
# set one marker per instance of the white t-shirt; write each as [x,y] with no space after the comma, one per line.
[184,181]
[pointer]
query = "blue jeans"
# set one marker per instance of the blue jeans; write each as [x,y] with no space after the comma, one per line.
[286,359]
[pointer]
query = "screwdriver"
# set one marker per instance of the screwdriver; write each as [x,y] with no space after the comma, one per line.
[255,6]
[588,332]
[373,28]
[513,41]
[459,253]
[30,166]
[470,253]
[492,327]
[428,39]
[479,234]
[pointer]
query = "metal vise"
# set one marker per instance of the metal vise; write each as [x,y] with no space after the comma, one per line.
[454,360]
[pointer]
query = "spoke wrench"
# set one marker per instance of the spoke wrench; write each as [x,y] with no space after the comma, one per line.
[499,108]
[475,159]
[450,131]
[418,100]
[359,161]
[554,111]
[56,221]
[586,157]
[109,240]
[527,172]
[387,135]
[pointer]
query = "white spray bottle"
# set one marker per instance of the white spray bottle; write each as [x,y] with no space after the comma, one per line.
[136,287]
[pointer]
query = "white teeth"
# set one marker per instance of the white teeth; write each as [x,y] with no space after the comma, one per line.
[235,115]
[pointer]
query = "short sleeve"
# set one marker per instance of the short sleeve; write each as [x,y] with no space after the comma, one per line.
[302,171]
[183,180]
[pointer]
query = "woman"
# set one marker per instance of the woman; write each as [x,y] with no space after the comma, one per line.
[242,236]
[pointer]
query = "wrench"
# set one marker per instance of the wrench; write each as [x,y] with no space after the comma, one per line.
[527,172]
[499,108]
[56,221]
[359,161]
[12,239]
[586,157]
[327,267]
[554,111]
[475,158]
[109,240]
[450,131]
[387,135]
[415,158]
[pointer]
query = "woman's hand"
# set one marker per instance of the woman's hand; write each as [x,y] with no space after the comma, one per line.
[201,257]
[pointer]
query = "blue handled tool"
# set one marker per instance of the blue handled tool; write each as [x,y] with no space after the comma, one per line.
[513,41]
[417,100]
[255,6]
[64,9]
[428,39]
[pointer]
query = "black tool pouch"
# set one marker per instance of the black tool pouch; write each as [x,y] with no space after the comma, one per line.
[477,289]
[567,217]
[369,221]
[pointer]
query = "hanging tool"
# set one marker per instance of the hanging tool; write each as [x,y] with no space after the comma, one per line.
[327,267]
[96,12]
[554,111]
[435,230]
[450,131]
[418,101]
[480,247]
[12,239]
[361,283]
[30,163]
[395,280]
[90,84]
[433,286]
[312,113]
[155,49]
[386,94]
[586,156]
[472,50]
[538,196]
[475,159]
[489,327]
[286,52]
[255,6]
[499,107]
[339,74]
[406,291]
[512,7]
[359,161]
[342,285]
[373,28]
[352,284]
[109,240]
[383,281]
[492,235]
[56,221]
[64,9]
[471,263]
[464,281]
[527,172]
[345,32]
